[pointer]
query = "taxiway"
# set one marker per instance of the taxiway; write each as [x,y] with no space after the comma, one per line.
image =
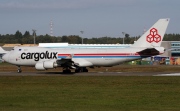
[89,74]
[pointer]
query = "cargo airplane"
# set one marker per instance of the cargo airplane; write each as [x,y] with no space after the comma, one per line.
[79,59]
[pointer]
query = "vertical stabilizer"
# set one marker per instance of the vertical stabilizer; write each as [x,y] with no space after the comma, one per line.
[154,36]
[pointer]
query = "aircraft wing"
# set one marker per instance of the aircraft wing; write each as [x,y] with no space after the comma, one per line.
[72,63]
[65,62]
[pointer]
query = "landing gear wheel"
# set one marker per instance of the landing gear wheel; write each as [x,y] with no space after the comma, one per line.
[81,69]
[67,71]
[85,70]
[77,70]
[19,69]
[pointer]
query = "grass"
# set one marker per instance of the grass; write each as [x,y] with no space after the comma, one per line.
[94,93]
[81,93]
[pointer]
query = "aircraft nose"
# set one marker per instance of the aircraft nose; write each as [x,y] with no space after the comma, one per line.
[5,57]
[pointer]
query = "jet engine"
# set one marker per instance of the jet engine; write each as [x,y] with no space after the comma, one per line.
[43,65]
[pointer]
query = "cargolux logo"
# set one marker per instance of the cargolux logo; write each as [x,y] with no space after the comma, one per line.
[36,56]
[153,36]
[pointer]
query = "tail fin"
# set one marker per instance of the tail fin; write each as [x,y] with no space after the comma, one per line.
[154,36]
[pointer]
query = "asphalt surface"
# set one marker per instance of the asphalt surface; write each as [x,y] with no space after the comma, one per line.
[89,74]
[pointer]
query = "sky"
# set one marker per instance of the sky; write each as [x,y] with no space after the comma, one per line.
[96,18]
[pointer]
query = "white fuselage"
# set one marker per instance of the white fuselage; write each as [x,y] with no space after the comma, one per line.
[29,56]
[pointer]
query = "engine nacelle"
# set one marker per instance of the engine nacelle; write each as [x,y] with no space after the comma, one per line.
[45,65]
[40,66]
[50,64]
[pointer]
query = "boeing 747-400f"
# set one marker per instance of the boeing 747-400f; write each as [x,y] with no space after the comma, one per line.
[46,58]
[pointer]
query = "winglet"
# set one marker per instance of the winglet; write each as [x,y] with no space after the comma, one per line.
[154,36]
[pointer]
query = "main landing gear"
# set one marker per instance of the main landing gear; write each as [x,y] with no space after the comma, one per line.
[81,69]
[66,71]
[19,69]
[77,70]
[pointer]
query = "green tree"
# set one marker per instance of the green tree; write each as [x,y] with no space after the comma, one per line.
[18,36]
[127,39]
[26,34]
[64,39]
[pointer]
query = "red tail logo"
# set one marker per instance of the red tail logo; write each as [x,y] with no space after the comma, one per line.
[153,36]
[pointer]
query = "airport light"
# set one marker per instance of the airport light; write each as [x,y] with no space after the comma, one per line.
[34,34]
[124,36]
[82,34]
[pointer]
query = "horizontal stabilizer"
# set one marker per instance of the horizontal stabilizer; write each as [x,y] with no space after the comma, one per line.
[152,51]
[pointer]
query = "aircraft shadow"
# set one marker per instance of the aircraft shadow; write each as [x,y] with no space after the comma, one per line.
[58,73]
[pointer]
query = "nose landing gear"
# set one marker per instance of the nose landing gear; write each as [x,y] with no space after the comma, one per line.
[19,69]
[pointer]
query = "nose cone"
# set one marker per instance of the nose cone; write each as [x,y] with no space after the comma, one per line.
[6,57]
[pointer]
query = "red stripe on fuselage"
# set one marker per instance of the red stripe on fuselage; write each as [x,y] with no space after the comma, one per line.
[63,54]
[110,54]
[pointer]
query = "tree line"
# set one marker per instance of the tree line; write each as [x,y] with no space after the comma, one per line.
[27,38]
